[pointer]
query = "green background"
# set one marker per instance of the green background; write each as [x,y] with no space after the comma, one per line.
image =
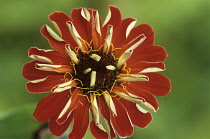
[181,26]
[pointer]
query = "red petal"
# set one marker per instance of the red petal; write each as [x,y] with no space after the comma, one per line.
[81,24]
[97,132]
[81,119]
[120,36]
[59,129]
[106,114]
[58,45]
[46,85]
[61,18]
[142,29]
[150,54]
[29,71]
[137,117]
[158,84]
[50,106]
[139,66]
[138,91]
[121,122]
[114,20]
[55,56]
[129,45]
[137,31]
[74,102]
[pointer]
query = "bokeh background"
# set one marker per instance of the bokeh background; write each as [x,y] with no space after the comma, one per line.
[181,26]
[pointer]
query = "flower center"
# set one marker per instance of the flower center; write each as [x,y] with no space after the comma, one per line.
[97,71]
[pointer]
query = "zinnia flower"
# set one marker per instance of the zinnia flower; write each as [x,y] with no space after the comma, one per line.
[106,69]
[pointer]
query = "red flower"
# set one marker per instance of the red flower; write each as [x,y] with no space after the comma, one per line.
[106,69]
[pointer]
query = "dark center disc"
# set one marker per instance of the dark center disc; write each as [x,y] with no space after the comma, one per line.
[105,78]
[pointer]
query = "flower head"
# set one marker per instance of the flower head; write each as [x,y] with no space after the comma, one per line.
[107,69]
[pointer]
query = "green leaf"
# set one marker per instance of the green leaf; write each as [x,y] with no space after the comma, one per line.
[18,123]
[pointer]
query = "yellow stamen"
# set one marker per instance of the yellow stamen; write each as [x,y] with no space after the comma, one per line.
[113,85]
[81,103]
[85,96]
[79,81]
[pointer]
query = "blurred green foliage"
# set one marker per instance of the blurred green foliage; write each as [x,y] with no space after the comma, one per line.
[182,27]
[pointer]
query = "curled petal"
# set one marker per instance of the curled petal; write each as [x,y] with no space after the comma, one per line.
[64,86]
[121,121]
[29,71]
[81,18]
[59,129]
[105,111]
[138,118]
[85,14]
[81,119]
[144,98]
[96,31]
[121,33]
[142,29]
[146,67]
[109,102]
[55,68]
[107,43]
[130,27]
[53,34]
[127,97]
[97,132]
[41,59]
[72,55]
[149,99]
[95,112]
[70,106]
[82,45]
[133,44]
[58,45]
[123,58]
[48,56]
[97,23]
[60,19]
[130,46]
[113,17]
[132,77]
[44,84]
